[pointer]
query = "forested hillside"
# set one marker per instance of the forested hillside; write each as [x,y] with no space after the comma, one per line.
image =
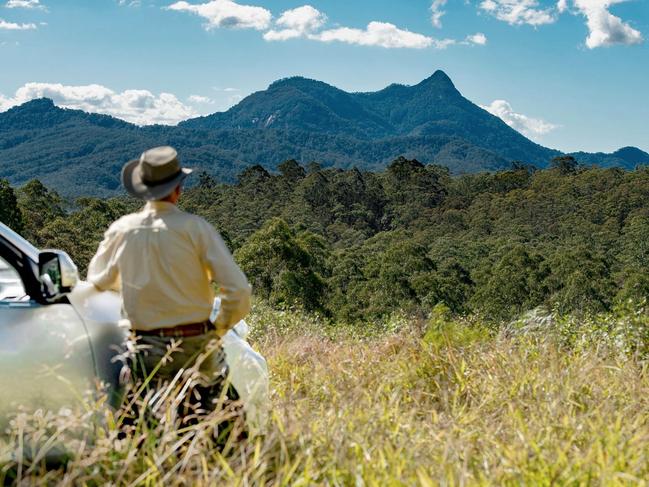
[357,245]
[80,154]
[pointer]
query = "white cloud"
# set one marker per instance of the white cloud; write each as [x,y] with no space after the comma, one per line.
[130,3]
[562,6]
[25,4]
[6,103]
[136,106]
[437,12]
[531,127]
[307,22]
[519,12]
[226,13]
[478,38]
[298,22]
[605,29]
[200,99]
[381,34]
[4,25]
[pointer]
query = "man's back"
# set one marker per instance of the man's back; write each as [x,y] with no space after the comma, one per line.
[164,259]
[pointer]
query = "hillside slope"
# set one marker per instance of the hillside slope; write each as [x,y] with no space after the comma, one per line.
[81,154]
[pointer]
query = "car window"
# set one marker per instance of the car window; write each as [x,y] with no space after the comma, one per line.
[11,285]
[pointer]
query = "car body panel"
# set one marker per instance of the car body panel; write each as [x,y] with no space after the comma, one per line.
[45,357]
[107,332]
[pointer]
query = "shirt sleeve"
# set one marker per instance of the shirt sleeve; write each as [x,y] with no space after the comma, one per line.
[103,271]
[233,286]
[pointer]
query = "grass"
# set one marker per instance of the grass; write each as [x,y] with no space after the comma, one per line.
[411,402]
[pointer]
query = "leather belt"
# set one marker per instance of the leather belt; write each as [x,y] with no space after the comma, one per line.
[180,331]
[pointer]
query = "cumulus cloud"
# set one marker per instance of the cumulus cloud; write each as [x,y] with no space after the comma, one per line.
[437,12]
[200,99]
[136,106]
[530,127]
[478,38]
[381,34]
[25,4]
[4,25]
[298,22]
[6,103]
[226,13]
[605,29]
[307,22]
[519,12]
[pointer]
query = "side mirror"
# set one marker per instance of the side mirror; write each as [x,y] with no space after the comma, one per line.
[58,274]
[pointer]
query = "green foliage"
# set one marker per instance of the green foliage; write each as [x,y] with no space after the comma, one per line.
[564,164]
[39,207]
[511,285]
[360,246]
[285,267]
[9,212]
[443,332]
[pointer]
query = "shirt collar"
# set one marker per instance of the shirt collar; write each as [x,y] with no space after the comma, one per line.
[160,206]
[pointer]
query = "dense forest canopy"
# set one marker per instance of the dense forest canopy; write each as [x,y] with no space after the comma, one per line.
[358,245]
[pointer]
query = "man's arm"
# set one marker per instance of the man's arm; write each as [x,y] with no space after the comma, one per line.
[234,289]
[103,271]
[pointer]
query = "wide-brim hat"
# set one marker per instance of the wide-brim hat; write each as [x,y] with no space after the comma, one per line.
[155,174]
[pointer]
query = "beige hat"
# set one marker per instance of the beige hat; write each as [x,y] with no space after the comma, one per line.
[155,174]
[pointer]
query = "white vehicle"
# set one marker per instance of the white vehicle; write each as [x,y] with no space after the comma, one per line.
[58,335]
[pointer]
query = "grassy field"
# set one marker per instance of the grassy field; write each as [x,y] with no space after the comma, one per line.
[412,402]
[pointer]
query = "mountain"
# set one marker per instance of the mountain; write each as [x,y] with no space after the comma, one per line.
[82,154]
[627,157]
[432,107]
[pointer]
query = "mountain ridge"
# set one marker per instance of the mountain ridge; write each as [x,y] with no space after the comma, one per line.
[433,106]
[81,153]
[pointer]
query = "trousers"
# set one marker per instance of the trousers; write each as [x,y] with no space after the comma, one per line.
[194,367]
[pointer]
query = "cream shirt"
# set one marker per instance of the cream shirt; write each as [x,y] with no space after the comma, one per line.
[163,261]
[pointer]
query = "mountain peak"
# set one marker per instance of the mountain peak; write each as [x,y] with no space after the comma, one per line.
[36,105]
[296,81]
[42,113]
[632,155]
[440,79]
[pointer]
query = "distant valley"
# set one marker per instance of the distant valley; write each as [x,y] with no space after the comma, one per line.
[296,118]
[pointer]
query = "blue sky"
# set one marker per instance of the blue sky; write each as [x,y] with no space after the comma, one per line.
[572,74]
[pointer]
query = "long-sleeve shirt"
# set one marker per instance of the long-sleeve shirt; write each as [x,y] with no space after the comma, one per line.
[163,261]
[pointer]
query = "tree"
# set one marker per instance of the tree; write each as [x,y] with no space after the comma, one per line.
[206,181]
[511,286]
[411,190]
[285,267]
[9,212]
[634,259]
[38,206]
[291,171]
[253,175]
[565,164]
[580,280]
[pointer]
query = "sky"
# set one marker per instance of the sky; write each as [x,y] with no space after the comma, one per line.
[570,74]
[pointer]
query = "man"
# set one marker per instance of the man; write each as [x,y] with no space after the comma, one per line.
[164,262]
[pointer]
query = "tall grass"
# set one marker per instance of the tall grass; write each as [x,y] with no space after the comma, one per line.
[411,402]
